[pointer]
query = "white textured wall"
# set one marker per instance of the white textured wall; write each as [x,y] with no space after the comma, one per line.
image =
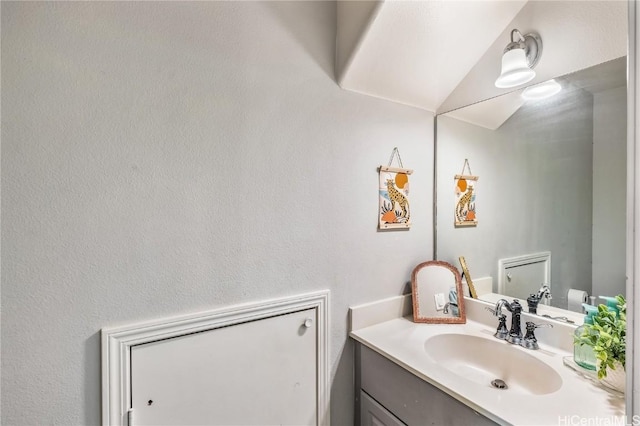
[609,190]
[534,192]
[167,158]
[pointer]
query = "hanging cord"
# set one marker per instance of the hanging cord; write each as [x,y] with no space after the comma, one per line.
[395,153]
[466,166]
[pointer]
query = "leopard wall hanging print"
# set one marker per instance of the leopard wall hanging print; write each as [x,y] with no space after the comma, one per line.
[394,211]
[465,190]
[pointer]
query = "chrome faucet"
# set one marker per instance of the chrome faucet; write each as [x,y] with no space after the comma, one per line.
[515,333]
[544,291]
[534,298]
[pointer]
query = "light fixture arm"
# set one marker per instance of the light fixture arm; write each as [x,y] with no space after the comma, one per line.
[515,31]
[531,44]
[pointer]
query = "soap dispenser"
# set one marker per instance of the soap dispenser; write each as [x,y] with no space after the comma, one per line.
[583,354]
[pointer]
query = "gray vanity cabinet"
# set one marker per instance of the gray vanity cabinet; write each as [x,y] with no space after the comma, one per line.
[374,414]
[389,395]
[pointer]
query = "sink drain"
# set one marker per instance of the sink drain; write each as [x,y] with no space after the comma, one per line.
[499,384]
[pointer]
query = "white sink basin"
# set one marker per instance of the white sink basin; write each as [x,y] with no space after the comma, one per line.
[482,360]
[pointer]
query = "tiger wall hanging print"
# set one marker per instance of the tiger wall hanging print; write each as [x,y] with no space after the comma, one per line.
[394,208]
[394,211]
[465,206]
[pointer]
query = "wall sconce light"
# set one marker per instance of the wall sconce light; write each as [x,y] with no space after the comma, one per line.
[542,90]
[519,58]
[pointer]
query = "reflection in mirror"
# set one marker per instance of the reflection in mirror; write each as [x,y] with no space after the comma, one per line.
[435,287]
[553,179]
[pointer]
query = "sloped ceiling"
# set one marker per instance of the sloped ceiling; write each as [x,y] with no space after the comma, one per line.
[493,112]
[490,114]
[440,55]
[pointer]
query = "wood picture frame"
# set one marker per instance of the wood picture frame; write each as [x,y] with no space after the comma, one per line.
[436,285]
[467,277]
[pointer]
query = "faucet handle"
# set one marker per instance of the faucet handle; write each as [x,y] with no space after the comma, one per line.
[532,303]
[530,341]
[543,325]
[501,331]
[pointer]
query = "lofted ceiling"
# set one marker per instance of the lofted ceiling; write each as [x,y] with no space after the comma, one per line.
[440,55]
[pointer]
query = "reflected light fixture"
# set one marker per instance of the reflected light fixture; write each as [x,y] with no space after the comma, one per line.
[542,90]
[519,58]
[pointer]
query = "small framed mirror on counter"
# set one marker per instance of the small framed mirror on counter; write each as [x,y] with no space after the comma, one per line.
[436,289]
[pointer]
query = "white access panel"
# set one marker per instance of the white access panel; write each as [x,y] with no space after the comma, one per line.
[523,280]
[254,373]
[523,275]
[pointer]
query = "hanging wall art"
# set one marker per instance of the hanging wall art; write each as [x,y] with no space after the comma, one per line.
[393,193]
[465,189]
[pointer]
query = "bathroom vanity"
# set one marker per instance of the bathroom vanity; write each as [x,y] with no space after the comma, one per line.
[392,395]
[417,374]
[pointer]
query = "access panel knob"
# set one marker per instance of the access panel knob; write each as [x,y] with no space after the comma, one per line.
[308,322]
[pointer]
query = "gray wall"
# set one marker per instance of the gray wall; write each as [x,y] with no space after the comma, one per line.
[167,158]
[609,190]
[534,192]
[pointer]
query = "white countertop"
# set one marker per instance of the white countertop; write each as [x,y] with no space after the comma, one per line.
[578,399]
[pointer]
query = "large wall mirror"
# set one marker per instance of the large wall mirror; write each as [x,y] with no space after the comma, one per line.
[552,179]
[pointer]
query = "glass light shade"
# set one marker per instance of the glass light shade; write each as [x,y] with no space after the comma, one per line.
[542,90]
[515,70]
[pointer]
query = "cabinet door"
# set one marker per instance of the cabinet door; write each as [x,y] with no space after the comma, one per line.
[374,414]
[409,398]
[254,373]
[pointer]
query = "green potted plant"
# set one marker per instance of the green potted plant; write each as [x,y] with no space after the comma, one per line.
[608,338]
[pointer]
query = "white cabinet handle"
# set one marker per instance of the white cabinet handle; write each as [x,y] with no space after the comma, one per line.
[308,322]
